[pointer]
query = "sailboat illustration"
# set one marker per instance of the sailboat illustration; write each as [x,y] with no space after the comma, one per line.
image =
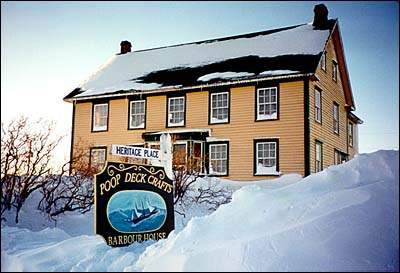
[138,215]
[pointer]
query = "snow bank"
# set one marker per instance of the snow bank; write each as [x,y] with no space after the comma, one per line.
[342,219]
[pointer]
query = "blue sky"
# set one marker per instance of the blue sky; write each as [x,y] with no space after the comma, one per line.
[49,48]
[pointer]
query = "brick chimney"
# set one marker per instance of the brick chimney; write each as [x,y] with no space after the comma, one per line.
[125,47]
[320,16]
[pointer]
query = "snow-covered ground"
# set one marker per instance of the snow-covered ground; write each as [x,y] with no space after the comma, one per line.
[345,218]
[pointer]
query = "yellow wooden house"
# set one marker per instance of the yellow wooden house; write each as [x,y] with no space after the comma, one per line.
[248,107]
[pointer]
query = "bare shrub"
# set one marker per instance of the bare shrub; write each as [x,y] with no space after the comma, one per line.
[26,152]
[65,193]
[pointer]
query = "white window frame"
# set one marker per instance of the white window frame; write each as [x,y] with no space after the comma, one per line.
[214,120]
[334,70]
[318,157]
[268,157]
[351,134]
[99,128]
[265,104]
[335,118]
[94,150]
[211,171]
[323,61]
[317,107]
[171,112]
[131,115]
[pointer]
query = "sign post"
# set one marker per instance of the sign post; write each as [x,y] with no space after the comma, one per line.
[133,203]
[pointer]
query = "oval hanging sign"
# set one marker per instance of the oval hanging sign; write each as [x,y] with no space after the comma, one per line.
[133,203]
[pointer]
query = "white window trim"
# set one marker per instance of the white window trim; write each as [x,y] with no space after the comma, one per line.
[226,159]
[351,133]
[316,117]
[216,120]
[335,118]
[275,172]
[320,156]
[95,127]
[182,123]
[141,126]
[272,117]
[334,70]
[323,63]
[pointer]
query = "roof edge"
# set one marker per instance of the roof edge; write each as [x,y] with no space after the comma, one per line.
[166,90]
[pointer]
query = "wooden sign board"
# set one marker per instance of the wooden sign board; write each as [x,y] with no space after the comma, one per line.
[133,203]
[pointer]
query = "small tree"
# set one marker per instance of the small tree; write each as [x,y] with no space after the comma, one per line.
[26,152]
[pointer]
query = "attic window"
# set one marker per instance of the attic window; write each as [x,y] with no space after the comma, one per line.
[323,61]
[334,71]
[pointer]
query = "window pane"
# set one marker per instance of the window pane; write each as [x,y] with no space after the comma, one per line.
[266,158]
[267,103]
[100,113]
[97,158]
[218,158]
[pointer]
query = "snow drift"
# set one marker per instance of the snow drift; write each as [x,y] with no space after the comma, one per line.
[345,218]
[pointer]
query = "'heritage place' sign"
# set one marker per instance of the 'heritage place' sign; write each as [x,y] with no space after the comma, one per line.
[133,203]
[122,150]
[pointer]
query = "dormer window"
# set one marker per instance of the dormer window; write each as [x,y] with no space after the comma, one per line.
[334,71]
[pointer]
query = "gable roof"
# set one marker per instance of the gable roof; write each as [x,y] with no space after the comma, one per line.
[284,52]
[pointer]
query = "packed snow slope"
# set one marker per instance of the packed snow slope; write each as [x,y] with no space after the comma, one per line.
[342,219]
[345,218]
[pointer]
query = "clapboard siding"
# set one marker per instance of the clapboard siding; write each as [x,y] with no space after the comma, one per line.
[331,92]
[241,131]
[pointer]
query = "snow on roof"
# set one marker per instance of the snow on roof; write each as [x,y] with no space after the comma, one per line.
[280,51]
[224,75]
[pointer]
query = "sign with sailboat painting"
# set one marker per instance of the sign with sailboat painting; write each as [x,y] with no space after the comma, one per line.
[133,203]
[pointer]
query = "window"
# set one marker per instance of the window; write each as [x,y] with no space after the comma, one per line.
[323,61]
[318,156]
[317,106]
[219,107]
[179,155]
[336,118]
[137,114]
[334,71]
[197,155]
[266,157]
[176,111]
[97,157]
[100,117]
[218,163]
[351,134]
[339,157]
[267,103]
